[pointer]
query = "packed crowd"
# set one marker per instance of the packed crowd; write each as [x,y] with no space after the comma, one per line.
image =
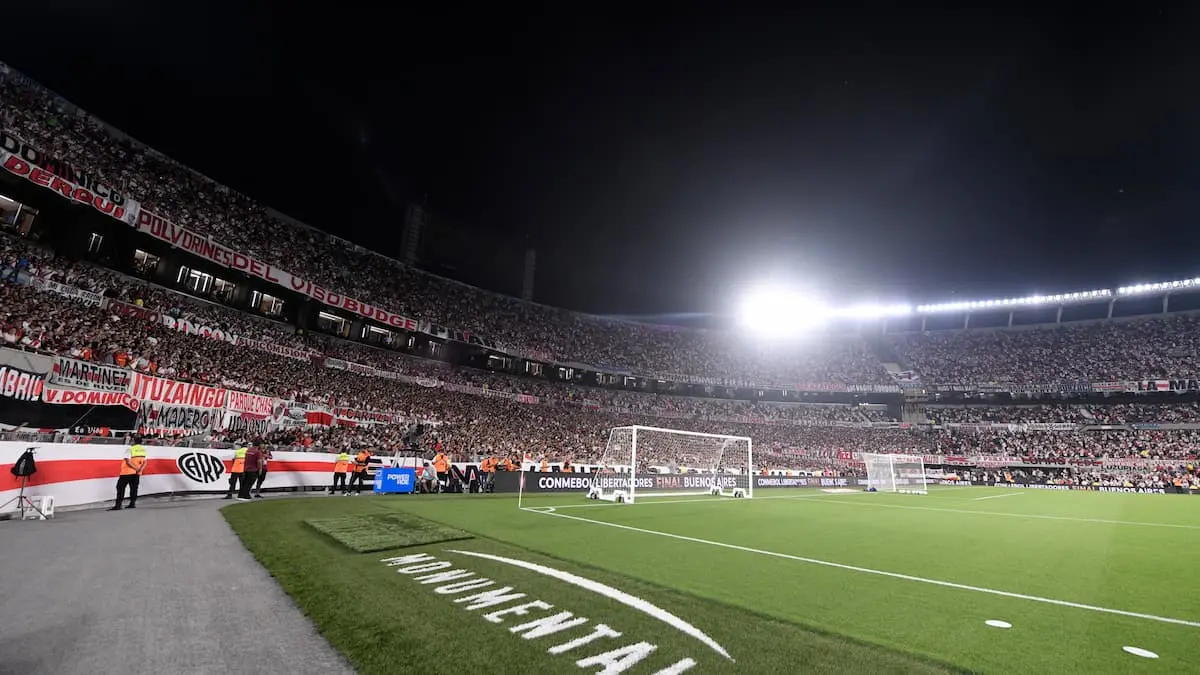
[561,428]
[1094,352]
[193,201]
[1167,477]
[1117,413]
[1098,352]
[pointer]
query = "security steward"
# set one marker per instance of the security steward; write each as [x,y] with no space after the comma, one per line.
[361,461]
[131,474]
[236,471]
[340,467]
[441,464]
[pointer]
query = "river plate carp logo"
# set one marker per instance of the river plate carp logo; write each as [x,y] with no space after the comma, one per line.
[200,466]
[589,644]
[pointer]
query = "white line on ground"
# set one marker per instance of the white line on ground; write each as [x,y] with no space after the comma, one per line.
[1007,494]
[1035,516]
[882,573]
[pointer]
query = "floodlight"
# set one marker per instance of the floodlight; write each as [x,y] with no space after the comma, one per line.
[777,312]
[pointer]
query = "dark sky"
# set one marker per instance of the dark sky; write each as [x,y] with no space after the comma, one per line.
[662,162]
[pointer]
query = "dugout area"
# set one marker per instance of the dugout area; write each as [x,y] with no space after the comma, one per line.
[749,576]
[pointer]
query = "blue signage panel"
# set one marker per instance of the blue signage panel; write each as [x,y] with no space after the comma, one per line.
[392,481]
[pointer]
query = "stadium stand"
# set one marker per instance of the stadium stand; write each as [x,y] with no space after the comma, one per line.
[475,412]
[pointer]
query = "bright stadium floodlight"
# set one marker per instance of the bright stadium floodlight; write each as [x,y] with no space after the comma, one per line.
[1160,287]
[776,312]
[1028,301]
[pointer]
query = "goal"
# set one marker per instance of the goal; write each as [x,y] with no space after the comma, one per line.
[896,473]
[641,462]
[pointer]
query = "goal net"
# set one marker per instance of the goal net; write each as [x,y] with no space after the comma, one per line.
[896,473]
[641,462]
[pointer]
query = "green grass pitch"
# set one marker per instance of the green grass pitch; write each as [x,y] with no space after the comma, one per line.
[790,581]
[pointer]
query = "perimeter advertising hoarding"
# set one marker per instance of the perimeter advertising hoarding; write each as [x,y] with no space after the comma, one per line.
[558,481]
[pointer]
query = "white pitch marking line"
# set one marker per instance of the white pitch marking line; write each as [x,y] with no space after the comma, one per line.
[1138,651]
[1009,494]
[1101,521]
[996,623]
[892,575]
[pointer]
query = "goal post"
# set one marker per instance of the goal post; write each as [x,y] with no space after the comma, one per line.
[642,462]
[896,473]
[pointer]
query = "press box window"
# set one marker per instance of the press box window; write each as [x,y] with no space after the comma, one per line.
[333,324]
[195,280]
[265,303]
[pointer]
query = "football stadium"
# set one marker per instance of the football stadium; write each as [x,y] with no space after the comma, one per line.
[391,471]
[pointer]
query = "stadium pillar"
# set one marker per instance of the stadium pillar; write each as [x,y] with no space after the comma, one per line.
[1010,318]
[1166,302]
[1058,318]
[967,321]
[1110,307]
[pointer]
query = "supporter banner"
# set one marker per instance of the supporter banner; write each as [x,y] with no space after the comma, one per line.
[21,385]
[285,351]
[359,369]
[79,474]
[246,425]
[1013,387]
[254,405]
[77,294]
[1166,385]
[21,159]
[204,247]
[22,404]
[159,418]
[59,396]
[89,376]
[494,393]
[369,416]
[185,326]
[288,414]
[125,309]
[159,390]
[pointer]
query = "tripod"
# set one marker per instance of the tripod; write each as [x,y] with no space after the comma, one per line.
[23,503]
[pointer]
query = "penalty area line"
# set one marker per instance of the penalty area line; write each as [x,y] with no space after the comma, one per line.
[890,575]
[1009,494]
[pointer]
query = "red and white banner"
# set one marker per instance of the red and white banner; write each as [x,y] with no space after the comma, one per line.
[254,405]
[185,326]
[90,376]
[21,159]
[162,229]
[191,328]
[78,474]
[159,390]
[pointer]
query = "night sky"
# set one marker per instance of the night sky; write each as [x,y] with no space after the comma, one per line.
[663,163]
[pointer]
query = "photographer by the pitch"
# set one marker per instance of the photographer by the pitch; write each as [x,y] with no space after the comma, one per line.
[131,474]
